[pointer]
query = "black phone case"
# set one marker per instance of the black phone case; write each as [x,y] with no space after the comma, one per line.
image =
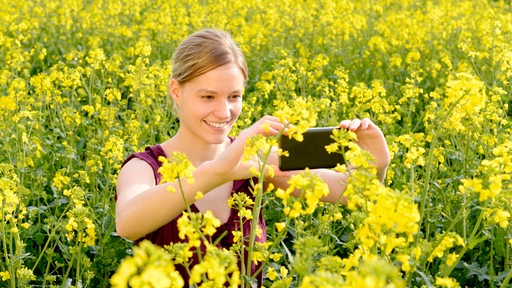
[310,152]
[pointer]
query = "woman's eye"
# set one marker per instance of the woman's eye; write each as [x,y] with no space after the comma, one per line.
[236,97]
[207,97]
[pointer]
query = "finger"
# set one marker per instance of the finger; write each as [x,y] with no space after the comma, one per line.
[365,123]
[354,124]
[344,124]
[272,119]
[271,126]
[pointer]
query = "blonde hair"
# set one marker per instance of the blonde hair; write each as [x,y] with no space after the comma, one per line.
[204,51]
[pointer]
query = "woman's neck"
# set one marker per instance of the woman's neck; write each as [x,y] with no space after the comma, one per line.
[196,151]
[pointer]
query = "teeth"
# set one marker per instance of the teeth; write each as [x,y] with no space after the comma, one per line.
[218,125]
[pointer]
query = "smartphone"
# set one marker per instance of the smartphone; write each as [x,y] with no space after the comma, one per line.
[310,152]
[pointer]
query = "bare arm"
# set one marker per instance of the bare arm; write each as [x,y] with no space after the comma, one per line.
[142,206]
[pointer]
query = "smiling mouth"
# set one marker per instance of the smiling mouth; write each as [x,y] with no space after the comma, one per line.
[218,124]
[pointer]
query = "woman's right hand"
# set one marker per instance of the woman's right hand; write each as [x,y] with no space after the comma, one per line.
[229,164]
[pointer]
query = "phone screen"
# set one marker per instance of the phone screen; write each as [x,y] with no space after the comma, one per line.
[310,152]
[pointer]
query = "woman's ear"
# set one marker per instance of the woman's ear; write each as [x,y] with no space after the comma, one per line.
[174,91]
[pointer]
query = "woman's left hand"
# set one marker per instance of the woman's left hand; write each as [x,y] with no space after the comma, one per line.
[371,139]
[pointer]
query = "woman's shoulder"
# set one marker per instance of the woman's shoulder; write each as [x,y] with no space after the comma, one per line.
[150,154]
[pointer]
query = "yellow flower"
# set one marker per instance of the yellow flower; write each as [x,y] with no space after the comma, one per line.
[187,230]
[112,94]
[405,260]
[210,223]
[257,148]
[501,218]
[96,58]
[150,266]
[76,194]
[276,256]
[272,274]
[243,203]
[448,241]
[80,227]
[60,180]
[178,166]
[300,112]
[217,268]
[415,157]
[284,271]
[257,256]
[245,213]
[237,236]
[199,195]
[313,189]
[283,194]
[416,253]
[452,259]
[113,149]
[333,147]
[447,282]
[5,275]
[7,103]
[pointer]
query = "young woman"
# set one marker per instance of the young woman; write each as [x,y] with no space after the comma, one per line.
[208,77]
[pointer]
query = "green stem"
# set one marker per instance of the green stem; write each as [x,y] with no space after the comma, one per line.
[256,212]
[507,279]
[48,264]
[198,250]
[12,279]
[183,195]
[50,237]
[278,239]
[469,245]
[429,167]
[78,262]
[426,188]
[70,265]
[242,251]
[254,223]
[475,228]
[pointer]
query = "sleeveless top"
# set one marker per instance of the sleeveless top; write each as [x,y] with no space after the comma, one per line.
[169,232]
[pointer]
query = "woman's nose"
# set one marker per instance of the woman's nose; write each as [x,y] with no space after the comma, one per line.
[223,109]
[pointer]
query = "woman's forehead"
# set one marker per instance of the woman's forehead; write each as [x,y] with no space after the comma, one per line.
[227,77]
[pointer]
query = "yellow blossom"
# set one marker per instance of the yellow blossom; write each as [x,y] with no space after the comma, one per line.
[237,236]
[452,259]
[448,241]
[447,282]
[210,223]
[60,180]
[5,275]
[178,166]
[501,218]
[405,260]
[280,226]
[272,274]
[199,195]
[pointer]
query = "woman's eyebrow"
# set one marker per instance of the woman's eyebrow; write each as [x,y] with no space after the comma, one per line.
[209,91]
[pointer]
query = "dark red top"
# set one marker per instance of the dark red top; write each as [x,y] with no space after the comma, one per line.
[169,232]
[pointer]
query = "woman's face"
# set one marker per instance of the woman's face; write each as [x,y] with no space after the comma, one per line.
[209,104]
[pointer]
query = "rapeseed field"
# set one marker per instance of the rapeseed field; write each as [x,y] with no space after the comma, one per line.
[83,83]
